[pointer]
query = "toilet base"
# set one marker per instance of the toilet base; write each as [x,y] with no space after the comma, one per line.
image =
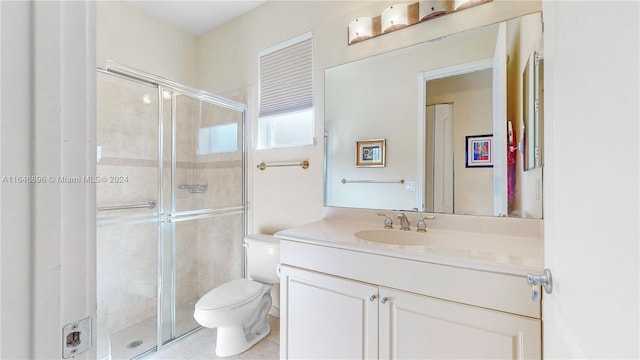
[233,340]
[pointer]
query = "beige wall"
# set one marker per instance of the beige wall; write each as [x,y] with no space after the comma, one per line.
[228,58]
[225,61]
[376,98]
[132,37]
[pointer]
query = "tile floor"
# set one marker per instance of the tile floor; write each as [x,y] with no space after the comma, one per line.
[201,345]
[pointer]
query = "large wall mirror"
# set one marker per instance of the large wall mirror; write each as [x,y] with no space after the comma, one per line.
[451,112]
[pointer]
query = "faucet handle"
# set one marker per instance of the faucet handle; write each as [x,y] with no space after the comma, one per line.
[421,225]
[388,223]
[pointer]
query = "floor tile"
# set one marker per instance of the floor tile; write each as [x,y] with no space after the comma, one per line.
[201,345]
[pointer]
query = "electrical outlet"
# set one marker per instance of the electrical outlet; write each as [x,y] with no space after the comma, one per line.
[410,186]
[76,338]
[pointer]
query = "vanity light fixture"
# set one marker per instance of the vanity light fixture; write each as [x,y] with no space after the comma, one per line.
[394,17]
[360,29]
[433,8]
[463,4]
[402,15]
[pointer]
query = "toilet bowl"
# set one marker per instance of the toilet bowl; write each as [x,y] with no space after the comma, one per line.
[238,308]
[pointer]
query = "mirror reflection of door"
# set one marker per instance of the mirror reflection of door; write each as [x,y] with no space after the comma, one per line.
[469,93]
[532,144]
[439,159]
[538,71]
[532,83]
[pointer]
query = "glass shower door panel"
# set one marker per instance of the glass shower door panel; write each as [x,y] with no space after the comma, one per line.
[207,207]
[208,149]
[127,293]
[208,253]
[186,186]
[127,217]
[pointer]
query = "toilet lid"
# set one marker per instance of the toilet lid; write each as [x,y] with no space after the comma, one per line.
[234,292]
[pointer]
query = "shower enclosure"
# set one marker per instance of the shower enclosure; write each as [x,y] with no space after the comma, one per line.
[170,194]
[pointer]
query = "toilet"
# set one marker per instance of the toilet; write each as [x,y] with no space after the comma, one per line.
[239,308]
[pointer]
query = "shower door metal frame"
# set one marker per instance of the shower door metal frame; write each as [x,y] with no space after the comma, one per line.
[163,84]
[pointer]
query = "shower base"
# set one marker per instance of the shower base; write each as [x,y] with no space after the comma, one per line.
[141,337]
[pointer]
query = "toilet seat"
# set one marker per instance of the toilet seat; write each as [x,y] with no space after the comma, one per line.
[230,294]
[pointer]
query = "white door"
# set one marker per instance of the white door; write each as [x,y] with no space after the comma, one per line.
[48,135]
[591,192]
[326,317]
[439,159]
[420,327]
[443,159]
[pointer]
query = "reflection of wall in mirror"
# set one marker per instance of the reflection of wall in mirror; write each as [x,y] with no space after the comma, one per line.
[376,98]
[524,37]
[471,96]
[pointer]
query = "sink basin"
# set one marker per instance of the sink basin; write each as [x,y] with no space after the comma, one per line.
[393,237]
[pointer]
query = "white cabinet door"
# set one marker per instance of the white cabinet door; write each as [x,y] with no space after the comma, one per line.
[419,327]
[326,317]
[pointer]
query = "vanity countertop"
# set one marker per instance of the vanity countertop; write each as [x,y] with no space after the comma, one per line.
[495,252]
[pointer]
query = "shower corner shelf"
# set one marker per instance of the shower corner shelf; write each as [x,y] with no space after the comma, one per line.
[194,189]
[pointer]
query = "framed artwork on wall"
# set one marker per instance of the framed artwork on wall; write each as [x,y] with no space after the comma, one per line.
[479,151]
[370,153]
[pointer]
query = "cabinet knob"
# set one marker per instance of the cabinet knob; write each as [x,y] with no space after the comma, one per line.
[384,300]
[372,298]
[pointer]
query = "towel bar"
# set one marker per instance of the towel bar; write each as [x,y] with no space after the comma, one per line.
[304,164]
[345,181]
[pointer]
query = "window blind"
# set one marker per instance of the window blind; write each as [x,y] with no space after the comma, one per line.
[286,77]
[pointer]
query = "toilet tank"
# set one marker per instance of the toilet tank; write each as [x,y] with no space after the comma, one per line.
[263,256]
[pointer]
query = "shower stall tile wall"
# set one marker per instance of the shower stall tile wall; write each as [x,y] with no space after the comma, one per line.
[154,264]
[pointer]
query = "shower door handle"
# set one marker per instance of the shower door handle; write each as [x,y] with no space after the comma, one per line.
[148,205]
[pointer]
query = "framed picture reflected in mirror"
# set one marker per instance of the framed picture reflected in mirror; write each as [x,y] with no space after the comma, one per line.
[370,153]
[479,151]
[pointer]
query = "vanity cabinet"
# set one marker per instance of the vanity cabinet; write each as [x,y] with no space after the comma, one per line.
[329,317]
[413,326]
[350,304]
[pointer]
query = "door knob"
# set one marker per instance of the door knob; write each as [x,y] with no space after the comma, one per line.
[543,280]
[384,300]
[372,298]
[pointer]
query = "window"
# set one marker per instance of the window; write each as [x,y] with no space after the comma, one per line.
[285,117]
[218,139]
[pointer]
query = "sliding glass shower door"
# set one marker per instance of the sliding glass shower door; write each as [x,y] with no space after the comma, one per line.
[127,216]
[183,150]
[203,197]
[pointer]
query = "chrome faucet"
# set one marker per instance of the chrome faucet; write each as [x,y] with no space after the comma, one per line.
[422,226]
[404,222]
